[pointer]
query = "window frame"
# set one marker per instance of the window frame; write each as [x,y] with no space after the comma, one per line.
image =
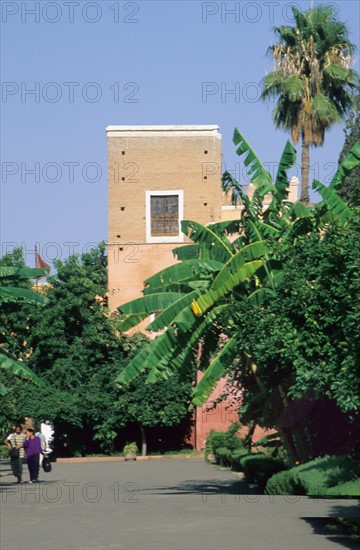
[179,238]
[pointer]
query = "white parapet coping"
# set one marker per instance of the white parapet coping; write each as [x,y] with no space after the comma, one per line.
[210,130]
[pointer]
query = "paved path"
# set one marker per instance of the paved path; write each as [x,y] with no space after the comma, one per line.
[164,505]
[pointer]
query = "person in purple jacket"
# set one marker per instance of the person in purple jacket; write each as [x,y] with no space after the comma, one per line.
[33,449]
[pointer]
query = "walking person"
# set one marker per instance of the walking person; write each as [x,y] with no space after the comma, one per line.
[14,443]
[43,445]
[33,449]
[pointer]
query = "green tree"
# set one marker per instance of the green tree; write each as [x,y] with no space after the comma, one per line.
[76,350]
[350,187]
[308,351]
[312,79]
[163,404]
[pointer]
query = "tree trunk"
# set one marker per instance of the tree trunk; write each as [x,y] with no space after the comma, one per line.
[143,441]
[305,166]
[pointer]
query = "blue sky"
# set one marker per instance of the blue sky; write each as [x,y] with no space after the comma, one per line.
[71,68]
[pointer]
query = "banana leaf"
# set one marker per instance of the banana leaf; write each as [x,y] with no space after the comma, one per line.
[255,169]
[136,366]
[18,368]
[166,318]
[228,183]
[229,277]
[150,303]
[23,272]
[131,321]
[287,160]
[21,294]
[259,230]
[204,234]
[187,252]
[181,349]
[264,441]
[214,372]
[351,160]
[299,210]
[182,272]
[333,201]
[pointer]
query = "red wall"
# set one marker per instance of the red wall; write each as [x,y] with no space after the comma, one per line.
[219,417]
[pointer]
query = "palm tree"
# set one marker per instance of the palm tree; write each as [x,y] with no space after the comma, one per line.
[312,80]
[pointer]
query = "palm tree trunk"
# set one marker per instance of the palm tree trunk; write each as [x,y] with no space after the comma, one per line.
[305,166]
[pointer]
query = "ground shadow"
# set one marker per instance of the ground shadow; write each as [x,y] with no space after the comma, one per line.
[204,487]
[339,536]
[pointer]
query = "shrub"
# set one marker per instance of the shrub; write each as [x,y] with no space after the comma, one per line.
[348,489]
[4,451]
[236,459]
[284,483]
[314,478]
[258,468]
[319,474]
[223,456]
[227,439]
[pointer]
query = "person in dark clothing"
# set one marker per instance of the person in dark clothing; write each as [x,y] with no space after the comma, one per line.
[33,449]
[15,441]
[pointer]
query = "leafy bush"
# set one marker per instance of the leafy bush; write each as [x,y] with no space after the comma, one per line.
[227,439]
[348,489]
[236,459]
[4,451]
[315,478]
[321,473]
[258,468]
[223,456]
[284,483]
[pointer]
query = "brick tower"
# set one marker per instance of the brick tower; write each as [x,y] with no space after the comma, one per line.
[157,176]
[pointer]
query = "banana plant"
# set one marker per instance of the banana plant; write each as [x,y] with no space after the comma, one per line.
[10,293]
[191,298]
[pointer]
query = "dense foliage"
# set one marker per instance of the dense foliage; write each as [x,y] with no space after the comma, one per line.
[350,187]
[74,346]
[310,333]
[326,476]
[276,309]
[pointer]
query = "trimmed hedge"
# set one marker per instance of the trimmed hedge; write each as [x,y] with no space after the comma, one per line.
[227,439]
[223,456]
[314,478]
[284,483]
[222,444]
[258,468]
[348,489]
[236,459]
